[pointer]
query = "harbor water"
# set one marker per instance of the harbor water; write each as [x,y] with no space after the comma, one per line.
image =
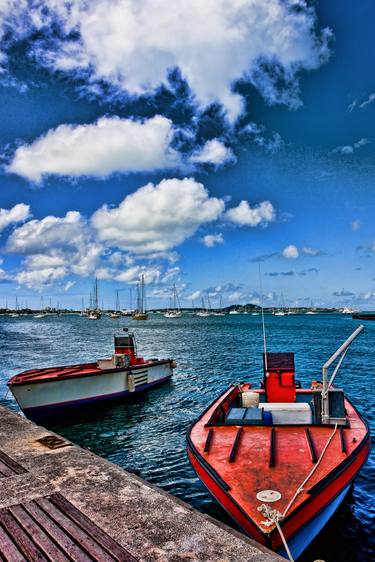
[147,433]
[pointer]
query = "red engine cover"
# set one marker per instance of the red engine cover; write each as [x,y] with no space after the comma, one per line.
[280,386]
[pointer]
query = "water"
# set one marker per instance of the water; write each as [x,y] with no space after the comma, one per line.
[148,433]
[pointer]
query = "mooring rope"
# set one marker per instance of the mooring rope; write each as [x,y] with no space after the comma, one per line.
[274,516]
[301,487]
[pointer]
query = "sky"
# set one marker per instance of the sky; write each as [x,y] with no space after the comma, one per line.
[226,147]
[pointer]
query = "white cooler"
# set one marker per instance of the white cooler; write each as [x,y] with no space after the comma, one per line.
[288,413]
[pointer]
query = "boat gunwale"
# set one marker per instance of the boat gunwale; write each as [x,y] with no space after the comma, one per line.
[95,372]
[328,479]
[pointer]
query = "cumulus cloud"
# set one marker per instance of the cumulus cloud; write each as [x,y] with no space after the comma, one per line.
[155,218]
[244,215]
[133,45]
[18,213]
[99,149]
[53,248]
[348,148]
[213,152]
[211,240]
[290,252]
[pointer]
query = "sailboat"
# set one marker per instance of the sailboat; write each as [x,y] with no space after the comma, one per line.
[116,314]
[17,313]
[94,313]
[204,312]
[281,310]
[41,314]
[219,311]
[174,312]
[140,313]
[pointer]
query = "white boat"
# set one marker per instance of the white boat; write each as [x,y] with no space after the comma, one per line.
[234,312]
[175,308]
[348,310]
[203,313]
[40,316]
[46,392]
[173,314]
[279,313]
[94,315]
[140,313]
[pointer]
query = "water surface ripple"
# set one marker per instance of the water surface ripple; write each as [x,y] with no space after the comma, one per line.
[148,432]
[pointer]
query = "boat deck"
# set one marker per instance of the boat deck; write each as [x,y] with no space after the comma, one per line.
[248,459]
[71,371]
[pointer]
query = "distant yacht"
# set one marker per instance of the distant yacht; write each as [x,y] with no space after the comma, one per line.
[348,310]
[234,311]
[175,311]
[116,313]
[140,313]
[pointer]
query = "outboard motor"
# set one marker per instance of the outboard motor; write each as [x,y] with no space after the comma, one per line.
[279,379]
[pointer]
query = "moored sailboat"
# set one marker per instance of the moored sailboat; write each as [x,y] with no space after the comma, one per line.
[140,313]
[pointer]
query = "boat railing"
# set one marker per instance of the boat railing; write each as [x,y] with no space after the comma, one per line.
[340,355]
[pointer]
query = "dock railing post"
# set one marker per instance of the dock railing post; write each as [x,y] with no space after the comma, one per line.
[326,385]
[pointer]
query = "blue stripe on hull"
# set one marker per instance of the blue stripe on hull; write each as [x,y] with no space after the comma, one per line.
[42,412]
[307,534]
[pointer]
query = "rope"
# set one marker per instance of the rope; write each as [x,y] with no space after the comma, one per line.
[275,516]
[300,489]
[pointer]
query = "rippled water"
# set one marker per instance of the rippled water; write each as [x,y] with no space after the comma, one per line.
[148,432]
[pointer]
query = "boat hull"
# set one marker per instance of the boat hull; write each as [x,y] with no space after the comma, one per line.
[259,465]
[305,524]
[47,399]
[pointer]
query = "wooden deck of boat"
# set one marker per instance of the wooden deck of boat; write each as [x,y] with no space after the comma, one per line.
[249,459]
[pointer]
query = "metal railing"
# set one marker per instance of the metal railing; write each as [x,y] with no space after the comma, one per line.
[340,353]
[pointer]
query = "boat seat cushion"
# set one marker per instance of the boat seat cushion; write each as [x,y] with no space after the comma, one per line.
[245,416]
[236,415]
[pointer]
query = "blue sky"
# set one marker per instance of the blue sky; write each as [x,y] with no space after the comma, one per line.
[190,145]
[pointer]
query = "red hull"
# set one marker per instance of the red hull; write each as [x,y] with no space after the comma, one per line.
[235,483]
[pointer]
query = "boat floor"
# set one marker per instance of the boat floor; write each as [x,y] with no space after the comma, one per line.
[275,458]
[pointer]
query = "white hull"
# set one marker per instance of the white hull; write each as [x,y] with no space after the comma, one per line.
[76,391]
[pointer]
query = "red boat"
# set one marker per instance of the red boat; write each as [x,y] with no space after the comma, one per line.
[280,459]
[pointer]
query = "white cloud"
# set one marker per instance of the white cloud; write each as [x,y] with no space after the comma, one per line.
[53,248]
[356,225]
[133,45]
[99,149]
[244,215]
[18,213]
[152,274]
[349,149]
[213,152]
[156,218]
[367,102]
[194,296]
[312,252]
[290,252]
[211,240]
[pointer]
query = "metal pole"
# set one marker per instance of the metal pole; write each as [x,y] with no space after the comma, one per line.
[341,349]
